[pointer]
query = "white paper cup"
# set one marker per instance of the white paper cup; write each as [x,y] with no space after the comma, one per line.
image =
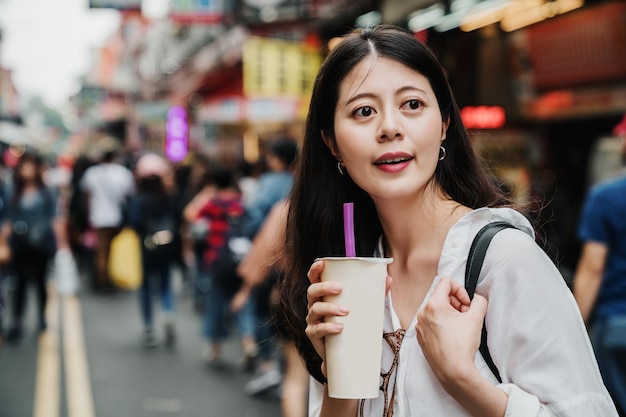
[353,357]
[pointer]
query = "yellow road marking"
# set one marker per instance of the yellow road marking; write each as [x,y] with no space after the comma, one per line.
[47,383]
[79,394]
[47,401]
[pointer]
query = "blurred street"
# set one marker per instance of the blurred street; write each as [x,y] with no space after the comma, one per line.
[90,363]
[182,121]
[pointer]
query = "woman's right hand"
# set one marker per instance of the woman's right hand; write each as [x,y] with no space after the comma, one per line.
[316,327]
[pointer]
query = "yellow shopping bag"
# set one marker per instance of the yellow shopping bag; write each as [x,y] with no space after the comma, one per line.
[125,267]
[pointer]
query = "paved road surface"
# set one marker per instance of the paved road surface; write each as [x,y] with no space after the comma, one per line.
[90,364]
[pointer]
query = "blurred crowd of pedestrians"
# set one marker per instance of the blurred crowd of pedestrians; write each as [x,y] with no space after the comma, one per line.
[221,225]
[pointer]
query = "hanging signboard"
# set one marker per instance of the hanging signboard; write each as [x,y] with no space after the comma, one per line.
[274,67]
[177,134]
[197,11]
[129,5]
[483,117]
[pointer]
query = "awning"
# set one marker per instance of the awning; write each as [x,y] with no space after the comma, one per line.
[14,134]
[17,134]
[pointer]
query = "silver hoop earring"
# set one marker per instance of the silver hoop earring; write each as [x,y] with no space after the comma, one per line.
[341,169]
[442,153]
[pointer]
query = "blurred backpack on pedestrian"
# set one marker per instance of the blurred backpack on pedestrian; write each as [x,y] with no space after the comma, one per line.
[154,215]
[235,247]
[225,243]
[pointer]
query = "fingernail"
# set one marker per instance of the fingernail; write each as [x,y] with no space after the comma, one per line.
[343,310]
[338,326]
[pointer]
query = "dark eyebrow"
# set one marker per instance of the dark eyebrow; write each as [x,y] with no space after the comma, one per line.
[358,96]
[370,95]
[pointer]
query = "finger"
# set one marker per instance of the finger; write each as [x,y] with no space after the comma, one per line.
[323,329]
[454,302]
[315,271]
[388,284]
[318,291]
[478,308]
[320,310]
[453,292]
[459,292]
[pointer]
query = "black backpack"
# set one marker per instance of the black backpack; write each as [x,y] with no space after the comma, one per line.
[160,229]
[236,246]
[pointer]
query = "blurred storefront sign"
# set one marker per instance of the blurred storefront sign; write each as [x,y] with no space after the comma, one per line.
[473,14]
[394,11]
[269,11]
[574,65]
[225,110]
[483,117]
[235,110]
[569,103]
[130,5]
[581,48]
[177,134]
[274,67]
[198,11]
[149,111]
[272,109]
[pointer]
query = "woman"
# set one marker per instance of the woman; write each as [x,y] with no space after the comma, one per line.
[32,209]
[154,214]
[221,210]
[385,132]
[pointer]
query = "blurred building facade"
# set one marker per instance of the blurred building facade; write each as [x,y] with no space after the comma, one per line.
[540,83]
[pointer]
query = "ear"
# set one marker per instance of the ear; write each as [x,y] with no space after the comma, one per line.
[332,145]
[444,129]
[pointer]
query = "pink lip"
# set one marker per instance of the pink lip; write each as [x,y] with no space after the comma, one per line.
[395,167]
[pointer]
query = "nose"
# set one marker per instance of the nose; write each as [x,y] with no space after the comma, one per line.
[390,128]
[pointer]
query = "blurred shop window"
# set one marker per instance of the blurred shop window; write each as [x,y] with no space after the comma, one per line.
[512,155]
[605,160]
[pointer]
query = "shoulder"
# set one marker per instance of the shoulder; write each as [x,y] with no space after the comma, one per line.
[275,177]
[470,224]
[89,174]
[461,235]
[517,242]
[121,169]
[609,188]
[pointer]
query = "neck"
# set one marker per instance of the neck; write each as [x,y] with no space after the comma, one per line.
[418,227]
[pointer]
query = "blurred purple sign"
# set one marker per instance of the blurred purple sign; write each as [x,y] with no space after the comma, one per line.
[177,130]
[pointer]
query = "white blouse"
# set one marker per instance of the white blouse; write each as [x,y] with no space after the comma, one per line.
[537,338]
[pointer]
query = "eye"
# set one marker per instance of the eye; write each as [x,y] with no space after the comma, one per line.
[364,111]
[413,104]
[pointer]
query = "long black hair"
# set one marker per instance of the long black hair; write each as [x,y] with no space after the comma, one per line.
[315,223]
[19,183]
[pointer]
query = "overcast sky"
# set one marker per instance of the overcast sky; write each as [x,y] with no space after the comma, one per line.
[47,44]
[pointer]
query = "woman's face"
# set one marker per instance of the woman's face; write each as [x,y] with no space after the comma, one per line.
[388,128]
[28,170]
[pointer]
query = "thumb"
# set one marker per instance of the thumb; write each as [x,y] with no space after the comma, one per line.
[478,307]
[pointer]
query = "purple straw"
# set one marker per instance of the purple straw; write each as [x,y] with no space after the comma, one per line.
[348,229]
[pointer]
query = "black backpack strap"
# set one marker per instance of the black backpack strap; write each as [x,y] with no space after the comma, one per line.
[475,260]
